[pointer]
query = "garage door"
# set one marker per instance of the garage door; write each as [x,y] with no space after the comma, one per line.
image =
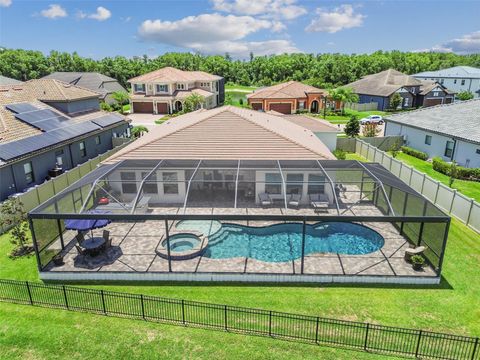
[432,102]
[284,108]
[143,107]
[162,108]
[257,106]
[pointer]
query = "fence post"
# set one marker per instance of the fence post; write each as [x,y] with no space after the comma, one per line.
[225,312]
[303,247]
[143,306]
[270,324]
[366,337]
[418,343]
[423,183]
[183,312]
[103,302]
[436,192]
[65,296]
[474,349]
[470,211]
[316,329]
[29,292]
[453,199]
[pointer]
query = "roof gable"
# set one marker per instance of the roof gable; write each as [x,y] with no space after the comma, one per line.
[171,74]
[287,90]
[384,83]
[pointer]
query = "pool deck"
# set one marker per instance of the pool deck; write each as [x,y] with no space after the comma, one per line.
[138,241]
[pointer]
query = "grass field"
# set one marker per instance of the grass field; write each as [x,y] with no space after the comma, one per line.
[29,332]
[343,119]
[467,188]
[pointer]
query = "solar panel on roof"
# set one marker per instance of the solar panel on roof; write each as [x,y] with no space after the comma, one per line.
[44,119]
[21,107]
[107,120]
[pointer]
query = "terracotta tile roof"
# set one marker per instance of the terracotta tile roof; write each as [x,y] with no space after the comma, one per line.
[288,90]
[170,74]
[310,123]
[55,90]
[384,83]
[178,94]
[228,133]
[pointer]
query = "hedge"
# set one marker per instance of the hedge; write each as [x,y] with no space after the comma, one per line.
[415,153]
[462,173]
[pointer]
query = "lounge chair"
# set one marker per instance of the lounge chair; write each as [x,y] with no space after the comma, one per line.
[108,240]
[265,200]
[294,201]
[79,250]
[414,251]
[319,202]
[142,205]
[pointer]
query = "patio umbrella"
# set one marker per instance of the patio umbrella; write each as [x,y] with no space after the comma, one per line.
[87,224]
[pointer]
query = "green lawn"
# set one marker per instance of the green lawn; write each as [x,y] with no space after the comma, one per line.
[29,332]
[467,188]
[343,119]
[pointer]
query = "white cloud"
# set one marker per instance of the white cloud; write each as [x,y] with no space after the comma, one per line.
[54,11]
[102,14]
[342,17]
[467,44]
[5,3]
[279,9]
[216,34]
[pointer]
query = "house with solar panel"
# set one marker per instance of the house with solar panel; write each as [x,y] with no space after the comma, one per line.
[48,127]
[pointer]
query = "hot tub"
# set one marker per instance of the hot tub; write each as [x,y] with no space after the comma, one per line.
[183,246]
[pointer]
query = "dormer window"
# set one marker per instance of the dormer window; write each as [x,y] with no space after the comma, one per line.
[139,88]
[162,88]
[180,86]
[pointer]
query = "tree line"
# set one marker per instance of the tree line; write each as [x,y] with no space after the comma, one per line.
[321,70]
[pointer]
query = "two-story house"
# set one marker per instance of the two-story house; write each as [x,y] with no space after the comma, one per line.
[164,91]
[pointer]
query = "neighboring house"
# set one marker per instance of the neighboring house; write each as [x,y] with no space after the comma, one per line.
[47,127]
[379,88]
[164,91]
[102,84]
[290,97]
[451,132]
[456,79]
[8,81]
[433,93]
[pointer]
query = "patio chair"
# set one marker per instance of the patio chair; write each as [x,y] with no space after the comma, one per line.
[319,202]
[295,200]
[108,240]
[80,251]
[265,200]
[419,250]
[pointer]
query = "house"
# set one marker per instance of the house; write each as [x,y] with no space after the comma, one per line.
[456,79]
[94,81]
[290,97]
[379,88]
[8,81]
[164,91]
[47,127]
[451,131]
[433,93]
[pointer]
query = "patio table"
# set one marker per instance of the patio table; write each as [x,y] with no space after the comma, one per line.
[319,206]
[93,245]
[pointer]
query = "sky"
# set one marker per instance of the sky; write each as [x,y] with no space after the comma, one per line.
[100,28]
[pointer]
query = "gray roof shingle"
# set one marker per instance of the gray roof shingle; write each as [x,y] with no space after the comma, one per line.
[460,120]
[384,83]
[9,81]
[467,72]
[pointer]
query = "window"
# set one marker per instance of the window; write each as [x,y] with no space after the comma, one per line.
[139,88]
[428,139]
[442,81]
[455,81]
[180,86]
[435,93]
[150,185]
[301,105]
[27,168]
[162,88]
[463,82]
[316,184]
[405,101]
[273,183]
[83,149]
[294,183]
[477,151]
[59,157]
[98,140]
[216,85]
[170,188]
[449,149]
[129,186]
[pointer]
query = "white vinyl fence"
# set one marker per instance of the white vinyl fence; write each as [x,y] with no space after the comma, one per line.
[362,107]
[463,208]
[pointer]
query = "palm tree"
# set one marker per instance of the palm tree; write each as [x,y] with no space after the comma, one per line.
[193,102]
[138,131]
[121,97]
[344,95]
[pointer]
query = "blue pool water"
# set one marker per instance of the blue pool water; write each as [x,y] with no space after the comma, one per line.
[283,242]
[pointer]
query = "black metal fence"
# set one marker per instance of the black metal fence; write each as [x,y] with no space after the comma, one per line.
[317,330]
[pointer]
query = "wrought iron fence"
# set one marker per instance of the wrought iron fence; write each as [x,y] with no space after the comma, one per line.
[313,329]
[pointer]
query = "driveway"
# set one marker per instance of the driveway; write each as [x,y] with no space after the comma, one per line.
[147,120]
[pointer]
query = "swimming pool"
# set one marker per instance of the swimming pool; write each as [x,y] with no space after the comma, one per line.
[283,242]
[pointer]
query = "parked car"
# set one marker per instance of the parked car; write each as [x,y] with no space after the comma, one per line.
[372,119]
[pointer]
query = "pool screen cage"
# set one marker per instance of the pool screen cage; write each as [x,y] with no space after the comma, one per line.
[227,190]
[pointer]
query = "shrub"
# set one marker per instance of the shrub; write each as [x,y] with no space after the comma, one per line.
[370,130]
[414,152]
[13,215]
[105,107]
[352,128]
[340,154]
[460,172]
[464,95]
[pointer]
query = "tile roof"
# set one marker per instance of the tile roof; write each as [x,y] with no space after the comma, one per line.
[453,72]
[310,123]
[8,81]
[179,94]
[384,83]
[55,90]
[89,80]
[228,133]
[287,90]
[170,74]
[460,120]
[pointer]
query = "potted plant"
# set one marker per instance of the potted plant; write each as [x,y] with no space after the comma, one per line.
[417,262]
[58,260]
